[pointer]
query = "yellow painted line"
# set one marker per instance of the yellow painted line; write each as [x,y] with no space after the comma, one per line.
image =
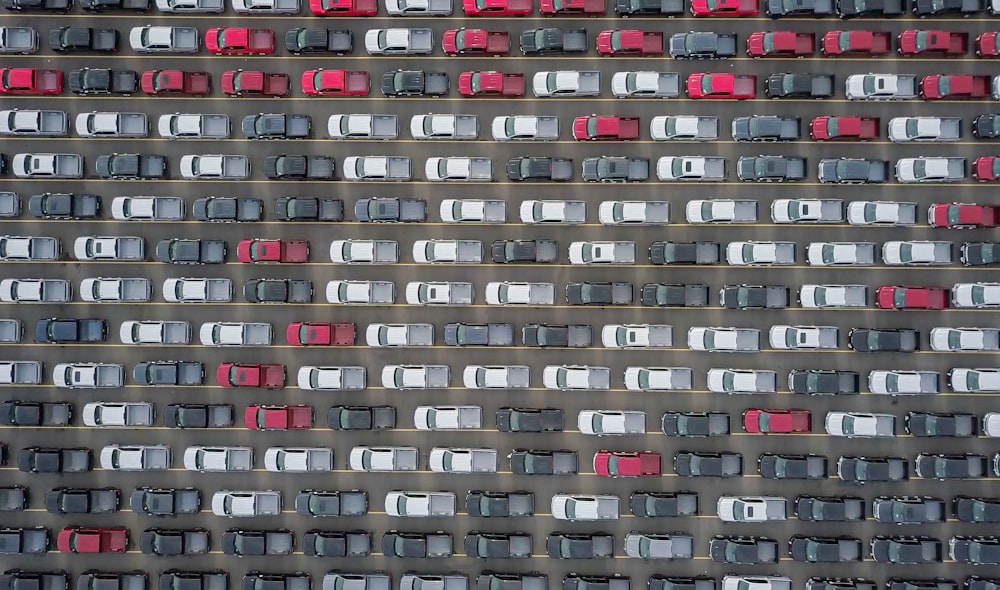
[580,99]
[295,224]
[460,16]
[179,267]
[513,56]
[705,186]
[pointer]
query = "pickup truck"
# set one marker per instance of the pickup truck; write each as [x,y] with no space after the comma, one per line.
[11,331]
[363,127]
[380,210]
[164,39]
[335,82]
[621,252]
[963,215]
[459,168]
[458,334]
[640,8]
[168,373]
[88,375]
[147,208]
[196,290]
[615,169]
[109,248]
[47,165]
[266,7]
[414,83]
[447,126]
[30,541]
[771,168]
[64,206]
[296,167]
[475,42]
[20,372]
[304,40]
[629,42]
[399,41]
[870,43]
[102,5]
[360,292]
[930,169]
[439,293]
[38,5]
[954,87]
[832,128]
[321,334]
[394,168]
[420,504]
[30,81]
[117,290]
[183,251]
[250,375]
[799,86]
[566,83]
[766,128]
[364,251]
[539,169]
[416,376]
[918,42]
[112,124]
[260,250]
[255,83]
[277,126]
[721,211]
[228,209]
[154,332]
[544,462]
[308,209]
[235,334]
[462,460]
[29,248]
[751,509]
[193,126]
[490,83]
[691,168]
[515,293]
[702,45]
[59,330]
[10,204]
[339,503]
[605,128]
[24,413]
[33,122]
[23,40]
[552,40]
[422,545]
[521,251]
[278,291]
[215,167]
[525,127]
[473,211]
[64,39]
[598,293]
[572,7]
[807,211]
[175,82]
[721,86]
[881,87]
[131,166]
[239,41]
[780,44]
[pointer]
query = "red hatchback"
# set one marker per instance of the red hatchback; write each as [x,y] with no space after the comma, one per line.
[627,463]
[91,540]
[777,421]
[899,297]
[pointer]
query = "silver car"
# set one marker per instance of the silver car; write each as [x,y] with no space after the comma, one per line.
[860,425]
[840,253]
[892,213]
[218,459]
[833,296]
[658,378]
[585,507]
[913,253]
[121,414]
[760,253]
[611,422]
[965,339]
[634,212]
[742,381]
[903,382]
[975,295]
[659,546]
[447,417]
[496,376]
[637,336]
[724,339]
[576,377]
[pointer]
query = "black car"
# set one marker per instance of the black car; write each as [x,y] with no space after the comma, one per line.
[873,8]
[244,543]
[13,499]
[814,8]
[966,8]
[663,504]
[331,503]
[524,251]
[684,252]
[743,550]
[853,171]
[908,509]
[24,540]
[788,85]
[361,417]
[483,504]
[490,580]
[65,500]
[936,424]
[599,293]
[968,509]
[873,340]
[529,419]
[702,45]
[766,128]
[591,582]
[68,330]
[580,545]
[708,464]
[483,545]
[195,251]
[79,39]
[302,40]
[172,542]
[754,296]
[165,501]
[416,545]
[25,413]
[538,168]
[97,579]
[555,335]
[662,582]
[65,206]
[174,579]
[461,334]
[924,584]
[98,81]
[695,424]
[906,550]
[308,209]
[17,579]
[319,543]
[829,508]
[771,168]
[228,209]
[413,83]
[840,584]
[980,253]
[258,580]
[975,550]
[819,549]
[863,470]
[951,466]
[544,462]
[791,466]
[131,166]
[669,295]
[198,415]
[53,460]
[986,127]
[824,382]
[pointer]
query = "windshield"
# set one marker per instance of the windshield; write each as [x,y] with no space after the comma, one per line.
[474,80]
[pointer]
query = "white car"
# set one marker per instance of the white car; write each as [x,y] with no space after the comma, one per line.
[568,212]
[658,378]
[975,295]
[917,253]
[462,460]
[514,293]
[246,504]
[447,417]
[298,459]
[991,424]
[525,127]
[418,7]
[147,208]
[760,253]
[27,248]
[416,376]
[218,459]
[724,339]
[163,39]
[903,382]
[965,339]
[637,336]
[602,252]
[439,293]
[364,251]
[360,292]
[833,296]
[734,582]
[191,6]
[496,376]
[155,332]
[473,211]
[447,251]
[840,253]
[585,507]
[102,290]
[720,211]
[611,422]
[121,414]
[683,128]
[576,377]
[393,335]
[237,334]
[313,378]
[198,290]
[807,211]
[634,212]
[924,129]
[364,458]
[860,425]
[893,213]
[444,126]
[647,85]
[566,83]
[266,7]
[803,337]
[735,381]
[135,458]
[112,124]
[35,291]
[974,380]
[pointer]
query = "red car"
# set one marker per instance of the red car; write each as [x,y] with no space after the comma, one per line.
[724,8]
[343,7]
[257,250]
[594,128]
[627,463]
[827,128]
[30,81]
[722,86]
[497,7]
[176,82]
[475,42]
[986,168]
[261,417]
[962,215]
[255,83]
[239,41]
[77,539]
[335,83]
[320,334]
[490,83]
[629,42]
[250,375]
[954,87]
[780,44]
[777,421]
[898,297]
[872,43]
[918,42]
[988,44]
[571,7]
